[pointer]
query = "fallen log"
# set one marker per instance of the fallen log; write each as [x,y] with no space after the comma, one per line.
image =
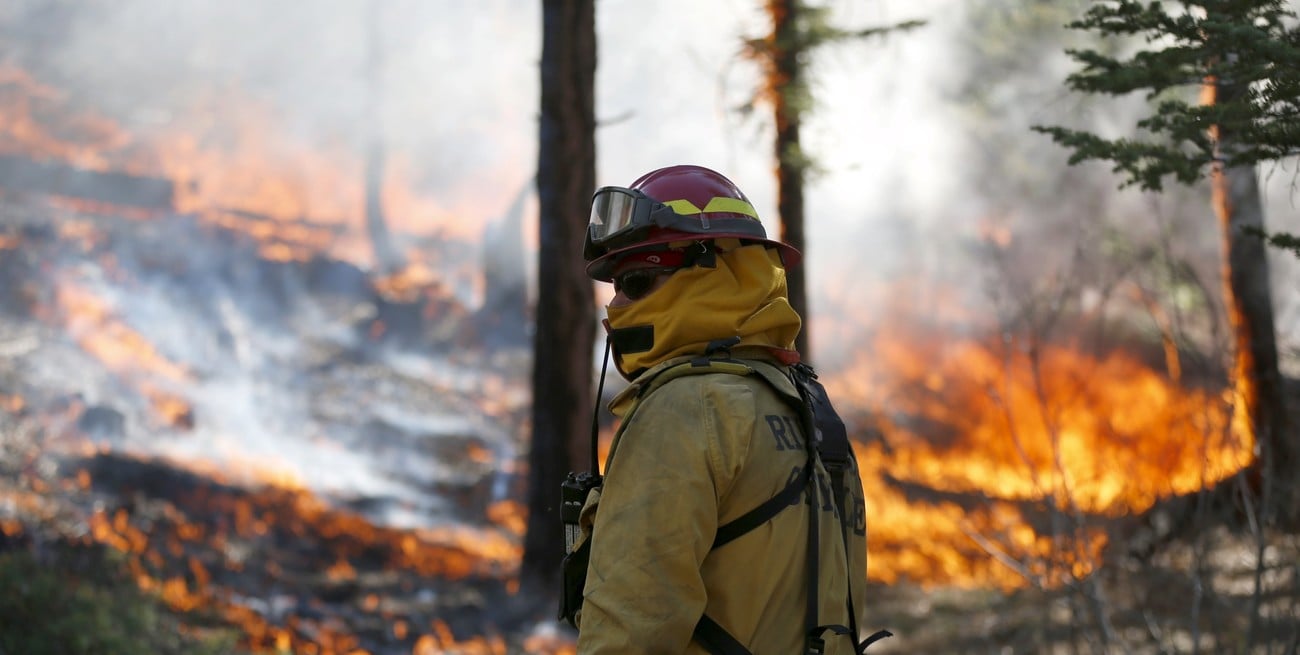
[24,175]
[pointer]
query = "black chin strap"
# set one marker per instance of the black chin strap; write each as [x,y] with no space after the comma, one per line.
[595,412]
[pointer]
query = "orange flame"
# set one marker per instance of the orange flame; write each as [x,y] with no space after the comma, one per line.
[82,138]
[92,322]
[12,404]
[1049,427]
[235,164]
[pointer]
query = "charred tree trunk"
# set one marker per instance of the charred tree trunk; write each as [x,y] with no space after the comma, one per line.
[502,320]
[784,83]
[1258,397]
[566,320]
[387,260]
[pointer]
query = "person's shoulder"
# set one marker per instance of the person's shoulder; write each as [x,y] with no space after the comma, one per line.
[722,382]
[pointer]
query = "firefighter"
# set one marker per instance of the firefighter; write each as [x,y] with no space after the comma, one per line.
[701,326]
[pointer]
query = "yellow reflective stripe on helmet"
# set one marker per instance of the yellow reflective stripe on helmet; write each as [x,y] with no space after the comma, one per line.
[718,204]
[732,205]
[683,207]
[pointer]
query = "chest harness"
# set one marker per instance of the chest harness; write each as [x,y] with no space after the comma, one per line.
[826,440]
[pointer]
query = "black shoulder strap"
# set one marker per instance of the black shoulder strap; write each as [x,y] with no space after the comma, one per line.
[836,453]
[717,640]
[764,513]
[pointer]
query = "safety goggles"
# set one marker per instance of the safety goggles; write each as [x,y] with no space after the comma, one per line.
[616,212]
[622,217]
[638,282]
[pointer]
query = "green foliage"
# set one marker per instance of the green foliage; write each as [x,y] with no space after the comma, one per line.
[80,600]
[1277,240]
[1250,49]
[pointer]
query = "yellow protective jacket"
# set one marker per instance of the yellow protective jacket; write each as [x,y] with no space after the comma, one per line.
[694,453]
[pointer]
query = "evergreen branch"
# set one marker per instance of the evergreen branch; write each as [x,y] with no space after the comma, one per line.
[1279,240]
[1145,164]
[872,32]
[1249,50]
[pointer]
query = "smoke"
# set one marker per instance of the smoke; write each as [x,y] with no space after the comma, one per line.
[456,83]
[922,138]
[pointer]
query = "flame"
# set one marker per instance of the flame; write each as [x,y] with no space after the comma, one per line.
[409,283]
[441,640]
[549,643]
[509,514]
[82,137]
[1005,429]
[182,559]
[11,527]
[12,403]
[92,322]
[341,569]
[236,164]
[261,167]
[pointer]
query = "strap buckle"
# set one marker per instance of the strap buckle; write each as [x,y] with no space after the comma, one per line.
[815,646]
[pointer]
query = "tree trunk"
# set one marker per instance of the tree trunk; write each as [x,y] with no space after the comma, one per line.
[566,320]
[1258,397]
[387,260]
[502,321]
[784,75]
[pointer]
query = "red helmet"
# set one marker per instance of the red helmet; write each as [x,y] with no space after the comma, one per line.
[678,203]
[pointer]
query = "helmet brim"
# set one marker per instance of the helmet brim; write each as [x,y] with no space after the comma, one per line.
[602,268]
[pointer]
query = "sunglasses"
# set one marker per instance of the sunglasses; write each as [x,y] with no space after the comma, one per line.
[638,282]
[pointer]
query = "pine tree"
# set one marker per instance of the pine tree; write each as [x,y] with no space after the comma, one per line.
[1243,56]
[798,29]
[1242,46]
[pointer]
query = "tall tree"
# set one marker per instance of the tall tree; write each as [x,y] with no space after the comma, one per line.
[566,315]
[1244,58]
[798,29]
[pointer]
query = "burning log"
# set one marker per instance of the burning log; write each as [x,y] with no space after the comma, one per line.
[21,174]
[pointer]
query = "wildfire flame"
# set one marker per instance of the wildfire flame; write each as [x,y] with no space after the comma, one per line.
[1048,428]
[92,322]
[240,169]
[82,138]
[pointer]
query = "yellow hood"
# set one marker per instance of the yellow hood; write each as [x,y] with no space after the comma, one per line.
[743,296]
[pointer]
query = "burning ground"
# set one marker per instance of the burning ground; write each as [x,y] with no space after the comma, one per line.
[253,439]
